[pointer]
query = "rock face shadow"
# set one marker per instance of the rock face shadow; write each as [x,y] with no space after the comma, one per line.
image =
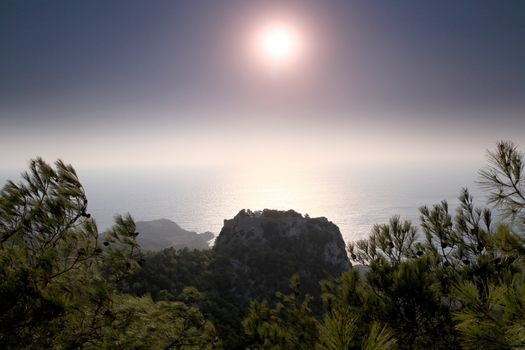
[259,251]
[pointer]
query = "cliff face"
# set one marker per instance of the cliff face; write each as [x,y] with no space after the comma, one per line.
[260,251]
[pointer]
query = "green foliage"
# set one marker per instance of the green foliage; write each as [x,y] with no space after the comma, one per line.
[492,294]
[394,242]
[167,273]
[481,320]
[399,291]
[459,287]
[338,330]
[402,297]
[380,338]
[58,281]
[503,178]
[140,323]
[289,325]
[341,330]
[492,315]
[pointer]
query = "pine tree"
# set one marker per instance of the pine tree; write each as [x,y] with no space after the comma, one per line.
[289,325]
[58,278]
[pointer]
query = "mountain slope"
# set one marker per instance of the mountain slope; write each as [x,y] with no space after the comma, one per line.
[163,233]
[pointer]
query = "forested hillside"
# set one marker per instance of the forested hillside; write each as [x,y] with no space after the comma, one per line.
[455,281]
[254,256]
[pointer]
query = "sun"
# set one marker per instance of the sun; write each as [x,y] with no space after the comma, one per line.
[278,44]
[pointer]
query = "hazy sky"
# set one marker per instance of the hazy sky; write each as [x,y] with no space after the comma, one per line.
[167,83]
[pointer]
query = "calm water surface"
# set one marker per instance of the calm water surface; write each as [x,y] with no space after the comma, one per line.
[354,198]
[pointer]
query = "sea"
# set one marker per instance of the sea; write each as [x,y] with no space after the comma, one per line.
[354,197]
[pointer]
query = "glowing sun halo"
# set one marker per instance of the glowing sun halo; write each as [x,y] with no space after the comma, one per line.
[278,44]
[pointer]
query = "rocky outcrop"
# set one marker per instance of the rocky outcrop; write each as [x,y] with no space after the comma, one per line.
[259,251]
[160,234]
